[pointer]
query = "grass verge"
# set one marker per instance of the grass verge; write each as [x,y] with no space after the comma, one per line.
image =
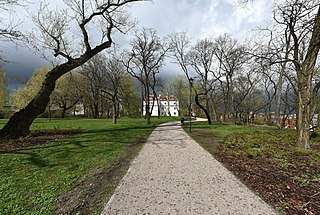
[268,161]
[73,175]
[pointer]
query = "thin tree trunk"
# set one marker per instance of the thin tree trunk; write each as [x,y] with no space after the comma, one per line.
[203,108]
[280,82]
[115,113]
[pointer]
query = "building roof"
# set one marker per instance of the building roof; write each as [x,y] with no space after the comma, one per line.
[163,98]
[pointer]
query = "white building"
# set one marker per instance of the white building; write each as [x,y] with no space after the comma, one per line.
[163,105]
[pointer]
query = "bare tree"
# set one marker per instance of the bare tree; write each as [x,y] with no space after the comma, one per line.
[302,18]
[180,45]
[177,87]
[55,29]
[8,29]
[247,97]
[274,55]
[95,72]
[144,62]
[114,75]
[194,58]
[231,57]
[201,59]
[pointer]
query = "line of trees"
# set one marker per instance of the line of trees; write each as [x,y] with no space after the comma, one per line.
[101,88]
[279,72]
[56,33]
[233,81]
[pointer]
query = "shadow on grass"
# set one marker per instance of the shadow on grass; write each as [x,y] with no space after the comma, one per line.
[75,145]
[35,159]
[58,154]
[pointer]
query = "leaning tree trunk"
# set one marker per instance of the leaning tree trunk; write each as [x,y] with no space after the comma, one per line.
[203,108]
[20,122]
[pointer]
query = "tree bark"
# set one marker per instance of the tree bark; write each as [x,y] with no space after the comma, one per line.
[305,75]
[203,108]
[63,113]
[115,111]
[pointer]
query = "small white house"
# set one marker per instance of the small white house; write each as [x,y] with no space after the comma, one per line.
[163,105]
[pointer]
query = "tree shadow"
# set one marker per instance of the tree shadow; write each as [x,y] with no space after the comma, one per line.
[72,145]
[35,159]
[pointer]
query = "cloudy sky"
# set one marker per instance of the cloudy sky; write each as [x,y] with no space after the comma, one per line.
[200,18]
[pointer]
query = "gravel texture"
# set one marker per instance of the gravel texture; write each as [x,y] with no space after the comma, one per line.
[174,175]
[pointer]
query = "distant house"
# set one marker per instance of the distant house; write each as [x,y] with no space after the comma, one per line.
[162,105]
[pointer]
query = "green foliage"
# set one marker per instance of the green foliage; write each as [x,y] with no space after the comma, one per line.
[130,98]
[68,92]
[177,87]
[69,89]
[25,94]
[32,179]
[3,89]
[306,179]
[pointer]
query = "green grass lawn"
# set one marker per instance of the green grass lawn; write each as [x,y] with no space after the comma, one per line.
[253,141]
[32,179]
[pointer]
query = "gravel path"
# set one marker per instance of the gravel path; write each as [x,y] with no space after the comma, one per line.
[174,175]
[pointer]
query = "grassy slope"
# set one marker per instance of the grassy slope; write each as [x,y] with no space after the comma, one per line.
[32,179]
[254,141]
[256,153]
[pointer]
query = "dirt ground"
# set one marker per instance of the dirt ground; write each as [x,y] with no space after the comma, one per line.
[36,138]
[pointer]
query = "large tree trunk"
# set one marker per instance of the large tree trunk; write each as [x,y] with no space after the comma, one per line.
[203,108]
[19,124]
[305,75]
[303,124]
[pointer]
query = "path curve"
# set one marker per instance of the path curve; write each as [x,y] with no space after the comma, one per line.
[174,175]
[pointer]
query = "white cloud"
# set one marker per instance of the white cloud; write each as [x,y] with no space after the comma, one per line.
[203,18]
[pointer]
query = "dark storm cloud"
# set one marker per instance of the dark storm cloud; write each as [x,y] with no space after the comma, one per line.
[21,65]
[200,18]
